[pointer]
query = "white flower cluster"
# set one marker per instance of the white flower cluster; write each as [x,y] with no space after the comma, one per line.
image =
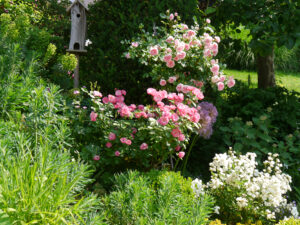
[198,187]
[267,187]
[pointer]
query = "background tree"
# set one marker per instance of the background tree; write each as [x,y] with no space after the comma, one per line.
[271,22]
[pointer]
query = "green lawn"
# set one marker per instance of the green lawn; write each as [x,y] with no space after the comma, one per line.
[289,80]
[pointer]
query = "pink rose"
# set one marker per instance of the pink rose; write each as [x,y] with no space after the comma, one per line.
[96,157]
[127,56]
[162,82]
[118,93]
[191,33]
[128,142]
[97,94]
[134,130]
[163,120]
[217,39]
[215,79]
[117,153]
[108,145]
[230,82]
[171,64]
[215,69]
[187,47]
[171,80]
[105,100]
[112,136]
[181,55]
[176,14]
[181,137]
[184,26]
[167,58]
[153,51]
[171,16]
[181,154]
[176,132]
[220,86]
[177,148]
[143,146]
[179,87]
[93,116]
[174,117]
[222,78]
[123,140]
[207,20]
[170,39]
[135,44]
[123,92]
[76,92]
[141,107]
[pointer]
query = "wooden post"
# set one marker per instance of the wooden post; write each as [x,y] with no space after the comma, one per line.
[76,73]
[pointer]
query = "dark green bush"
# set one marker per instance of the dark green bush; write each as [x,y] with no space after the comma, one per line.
[156,197]
[110,22]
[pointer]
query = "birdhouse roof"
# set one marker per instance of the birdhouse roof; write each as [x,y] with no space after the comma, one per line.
[77,1]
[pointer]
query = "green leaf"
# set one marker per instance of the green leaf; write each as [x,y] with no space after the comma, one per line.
[210,10]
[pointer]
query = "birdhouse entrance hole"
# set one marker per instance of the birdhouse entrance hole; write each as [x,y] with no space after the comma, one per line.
[76,46]
[78,15]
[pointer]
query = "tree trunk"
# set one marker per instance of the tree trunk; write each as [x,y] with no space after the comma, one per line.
[265,70]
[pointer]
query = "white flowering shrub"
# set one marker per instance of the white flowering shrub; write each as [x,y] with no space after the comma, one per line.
[242,192]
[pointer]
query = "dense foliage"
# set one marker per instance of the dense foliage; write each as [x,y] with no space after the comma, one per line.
[156,197]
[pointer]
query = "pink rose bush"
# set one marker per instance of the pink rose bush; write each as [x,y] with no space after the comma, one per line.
[149,135]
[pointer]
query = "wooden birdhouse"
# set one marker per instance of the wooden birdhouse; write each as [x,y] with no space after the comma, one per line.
[78,27]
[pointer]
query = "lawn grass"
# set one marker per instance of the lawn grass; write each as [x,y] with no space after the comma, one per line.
[291,81]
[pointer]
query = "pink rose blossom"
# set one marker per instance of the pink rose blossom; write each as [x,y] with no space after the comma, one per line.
[171,64]
[187,47]
[134,130]
[163,120]
[111,136]
[162,82]
[220,86]
[230,82]
[76,92]
[174,117]
[93,116]
[184,26]
[123,92]
[128,142]
[208,21]
[105,100]
[175,14]
[118,93]
[177,148]
[181,137]
[135,44]
[167,58]
[215,69]
[97,94]
[108,145]
[112,99]
[123,140]
[127,56]
[143,146]
[117,153]
[171,80]
[96,157]
[181,154]
[191,33]
[151,91]
[215,79]
[181,55]
[222,78]
[141,107]
[217,39]
[153,51]
[170,39]
[171,16]
[179,87]
[176,132]
[207,53]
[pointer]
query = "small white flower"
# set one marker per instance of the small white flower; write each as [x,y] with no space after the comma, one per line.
[88,42]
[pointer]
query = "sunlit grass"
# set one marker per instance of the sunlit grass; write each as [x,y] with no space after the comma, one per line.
[291,81]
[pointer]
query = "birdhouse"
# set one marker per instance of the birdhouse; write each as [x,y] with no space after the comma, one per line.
[78,26]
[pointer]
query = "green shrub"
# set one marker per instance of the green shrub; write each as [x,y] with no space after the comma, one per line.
[291,221]
[156,197]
